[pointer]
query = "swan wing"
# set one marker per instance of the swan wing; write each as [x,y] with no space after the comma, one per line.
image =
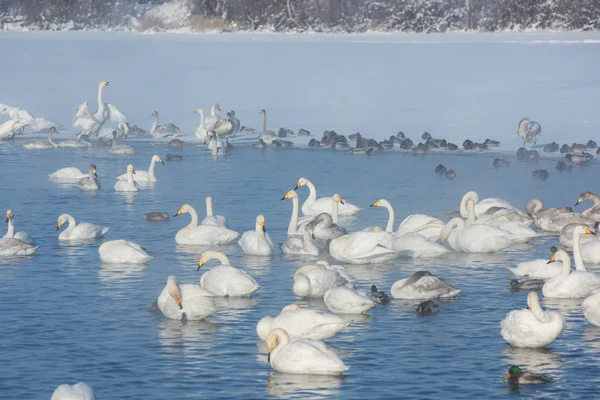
[113,114]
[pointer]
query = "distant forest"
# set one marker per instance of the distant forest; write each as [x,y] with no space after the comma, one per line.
[312,15]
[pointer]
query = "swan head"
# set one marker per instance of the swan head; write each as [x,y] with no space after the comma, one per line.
[585,196]
[52,130]
[157,158]
[301,182]
[186,208]
[290,195]
[174,290]
[262,112]
[463,203]
[561,256]
[9,215]
[582,230]
[154,114]
[276,337]
[211,255]
[114,134]
[198,110]
[131,169]
[260,223]
[447,230]
[93,170]
[380,203]
[534,206]
[104,83]
[291,307]
[338,199]
[217,107]
[61,220]
[263,328]
[532,300]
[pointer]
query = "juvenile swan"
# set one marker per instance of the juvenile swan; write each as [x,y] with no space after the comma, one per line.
[91,182]
[422,285]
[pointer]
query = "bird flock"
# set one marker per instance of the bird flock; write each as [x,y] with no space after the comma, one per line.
[294,338]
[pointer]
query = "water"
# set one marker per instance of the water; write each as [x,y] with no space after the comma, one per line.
[66,317]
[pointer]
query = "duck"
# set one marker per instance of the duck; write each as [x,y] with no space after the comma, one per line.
[313,206]
[528,284]
[379,296]
[591,308]
[78,391]
[156,216]
[68,173]
[422,285]
[130,185]
[539,268]
[120,149]
[516,377]
[211,219]
[187,302]
[363,248]
[315,280]
[194,234]
[345,300]
[475,238]
[122,252]
[532,327]
[428,307]
[10,232]
[440,169]
[324,227]
[302,323]
[302,356]
[225,280]
[16,247]
[570,284]
[144,176]
[81,231]
[91,182]
[257,242]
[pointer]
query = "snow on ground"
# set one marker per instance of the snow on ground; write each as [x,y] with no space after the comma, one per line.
[455,86]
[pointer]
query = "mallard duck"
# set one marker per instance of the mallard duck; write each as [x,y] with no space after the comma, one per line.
[526,284]
[516,376]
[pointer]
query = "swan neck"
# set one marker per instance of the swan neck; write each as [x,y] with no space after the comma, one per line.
[151,168]
[209,207]
[216,255]
[72,224]
[292,228]
[100,102]
[577,251]
[11,229]
[50,139]
[213,110]
[130,177]
[308,243]
[312,195]
[202,123]
[391,217]
[537,311]
[154,124]
[470,212]
[194,222]
[566,261]
[91,175]
[335,212]
[264,121]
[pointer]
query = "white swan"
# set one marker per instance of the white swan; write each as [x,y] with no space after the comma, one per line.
[144,176]
[539,268]
[163,131]
[532,327]
[81,231]
[212,119]
[541,216]
[422,285]
[529,131]
[91,182]
[314,280]
[16,247]
[267,135]
[68,173]
[194,234]
[295,227]
[120,149]
[201,132]
[591,308]
[105,134]
[312,206]
[10,232]
[300,246]
[218,145]
[344,300]
[78,391]
[476,238]
[484,205]
[130,185]
[594,211]
[424,225]
[211,219]
[302,323]
[570,284]
[302,356]
[325,226]
[185,302]
[363,248]
[566,234]
[520,233]
[122,252]
[9,128]
[91,123]
[257,242]
[42,144]
[225,280]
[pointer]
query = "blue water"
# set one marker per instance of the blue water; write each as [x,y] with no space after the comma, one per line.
[66,317]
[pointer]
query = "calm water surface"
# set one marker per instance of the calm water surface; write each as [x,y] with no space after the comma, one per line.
[66,317]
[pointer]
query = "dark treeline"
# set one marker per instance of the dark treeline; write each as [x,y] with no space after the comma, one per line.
[322,15]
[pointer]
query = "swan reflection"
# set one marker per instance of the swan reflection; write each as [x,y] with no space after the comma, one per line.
[303,386]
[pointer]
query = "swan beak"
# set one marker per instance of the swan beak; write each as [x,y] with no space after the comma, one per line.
[287,196]
[160,160]
[178,301]
[178,212]
[269,357]
[200,263]
[299,184]
[376,204]
[133,170]
[442,239]
[342,201]
[507,376]
[579,201]
[529,308]
[551,260]
[262,225]
[587,231]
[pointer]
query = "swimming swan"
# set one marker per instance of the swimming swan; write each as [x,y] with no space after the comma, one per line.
[144,176]
[121,149]
[539,268]
[10,232]
[185,302]
[302,323]
[78,391]
[422,285]
[257,242]
[542,216]
[300,246]
[163,131]
[312,206]
[484,205]
[16,247]
[314,280]
[476,238]
[122,252]
[267,135]
[211,219]
[42,144]
[91,182]
[68,173]
[130,185]
[201,131]
[225,280]
[296,227]
[344,300]
[81,231]
[363,248]
[302,356]
[532,327]
[194,234]
[570,284]
[424,225]
[325,225]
